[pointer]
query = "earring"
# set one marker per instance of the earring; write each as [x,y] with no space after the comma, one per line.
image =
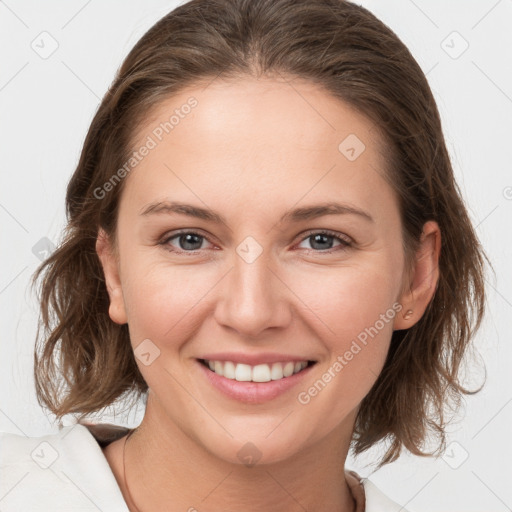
[408,314]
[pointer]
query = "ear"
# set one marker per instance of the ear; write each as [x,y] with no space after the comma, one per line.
[106,254]
[423,283]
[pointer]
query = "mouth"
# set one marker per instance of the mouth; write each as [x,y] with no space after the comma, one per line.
[255,384]
[259,373]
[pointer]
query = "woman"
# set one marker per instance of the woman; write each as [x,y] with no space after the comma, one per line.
[266,243]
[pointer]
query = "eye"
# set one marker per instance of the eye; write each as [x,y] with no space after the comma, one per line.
[191,241]
[321,241]
[188,241]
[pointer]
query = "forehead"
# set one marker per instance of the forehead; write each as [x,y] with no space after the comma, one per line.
[268,138]
[255,111]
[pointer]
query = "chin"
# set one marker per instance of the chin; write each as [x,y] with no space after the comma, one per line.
[244,449]
[249,453]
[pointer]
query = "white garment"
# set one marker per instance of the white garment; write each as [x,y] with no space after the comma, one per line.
[67,471]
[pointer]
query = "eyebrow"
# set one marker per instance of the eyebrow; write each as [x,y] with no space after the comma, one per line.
[296,215]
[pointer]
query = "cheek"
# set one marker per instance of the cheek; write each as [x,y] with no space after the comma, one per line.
[346,311]
[339,302]
[352,310]
[161,298]
[347,299]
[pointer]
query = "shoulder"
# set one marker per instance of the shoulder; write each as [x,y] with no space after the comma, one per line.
[377,501]
[369,497]
[65,470]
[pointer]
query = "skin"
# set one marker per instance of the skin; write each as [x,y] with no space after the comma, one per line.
[252,150]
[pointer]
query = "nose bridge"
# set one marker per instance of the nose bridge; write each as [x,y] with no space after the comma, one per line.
[252,296]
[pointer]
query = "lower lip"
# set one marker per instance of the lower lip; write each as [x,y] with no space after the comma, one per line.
[253,392]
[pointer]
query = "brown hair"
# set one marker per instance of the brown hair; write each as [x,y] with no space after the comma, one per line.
[345,49]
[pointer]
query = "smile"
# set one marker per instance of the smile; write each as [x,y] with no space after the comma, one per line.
[258,373]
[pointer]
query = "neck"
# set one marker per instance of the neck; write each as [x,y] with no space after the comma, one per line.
[162,462]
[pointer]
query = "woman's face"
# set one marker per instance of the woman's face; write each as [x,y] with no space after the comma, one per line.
[265,157]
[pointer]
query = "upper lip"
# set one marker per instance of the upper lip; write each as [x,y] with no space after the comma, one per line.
[254,359]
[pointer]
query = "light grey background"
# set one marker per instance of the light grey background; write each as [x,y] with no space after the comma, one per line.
[46,105]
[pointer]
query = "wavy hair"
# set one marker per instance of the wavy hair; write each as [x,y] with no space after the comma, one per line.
[83,361]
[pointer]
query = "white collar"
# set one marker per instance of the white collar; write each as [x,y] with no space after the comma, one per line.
[80,473]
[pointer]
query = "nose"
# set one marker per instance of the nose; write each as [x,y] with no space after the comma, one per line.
[252,298]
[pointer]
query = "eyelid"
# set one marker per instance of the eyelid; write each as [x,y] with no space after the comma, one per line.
[190,231]
[328,232]
[345,241]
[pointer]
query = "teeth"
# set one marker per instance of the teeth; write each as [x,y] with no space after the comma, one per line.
[243,372]
[218,368]
[259,373]
[288,369]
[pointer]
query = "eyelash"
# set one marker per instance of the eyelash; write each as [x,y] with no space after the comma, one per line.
[345,242]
